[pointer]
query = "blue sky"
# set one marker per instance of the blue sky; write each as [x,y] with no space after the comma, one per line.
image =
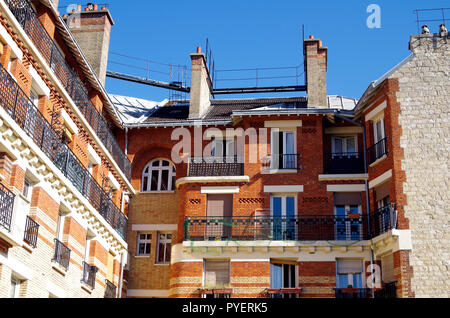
[259,34]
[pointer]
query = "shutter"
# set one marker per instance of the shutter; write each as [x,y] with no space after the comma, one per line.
[275,148]
[347,198]
[276,279]
[217,273]
[381,191]
[349,266]
[387,268]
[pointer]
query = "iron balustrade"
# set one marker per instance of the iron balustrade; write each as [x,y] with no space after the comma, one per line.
[377,151]
[353,292]
[6,207]
[389,290]
[32,25]
[22,110]
[110,290]
[282,162]
[383,219]
[352,227]
[31,231]
[62,254]
[343,162]
[89,273]
[216,166]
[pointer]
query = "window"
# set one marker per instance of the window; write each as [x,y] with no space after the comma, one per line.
[144,244]
[14,288]
[223,148]
[216,276]
[347,207]
[349,273]
[283,150]
[378,130]
[164,248]
[283,275]
[344,146]
[27,189]
[158,175]
[283,212]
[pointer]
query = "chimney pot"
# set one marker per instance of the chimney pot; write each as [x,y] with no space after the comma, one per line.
[199,49]
[104,8]
[79,8]
[311,37]
[95,7]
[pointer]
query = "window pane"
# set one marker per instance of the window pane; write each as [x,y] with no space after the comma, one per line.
[164,180]
[142,236]
[155,163]
[141,248]
[337,145]
[154,184]
[147,248]
[161,253]
[165,163]
[351,147]
[167,252]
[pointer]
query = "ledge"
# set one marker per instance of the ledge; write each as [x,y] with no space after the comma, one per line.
[378,160]
[86,287]
[349,176]
[60,269]
[215,179]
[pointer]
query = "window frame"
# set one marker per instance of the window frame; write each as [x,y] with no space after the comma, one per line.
[350,275]
[147,173]
[344,145]
[14,287]
[166,241]
[146,242]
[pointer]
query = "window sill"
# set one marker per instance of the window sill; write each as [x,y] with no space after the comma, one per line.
[27,247]
[281,171]
[86,287]
[60,269]
[141,256]
[156,192]
[377,161]
[162,264]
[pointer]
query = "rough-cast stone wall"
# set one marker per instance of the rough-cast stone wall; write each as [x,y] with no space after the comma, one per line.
[424,97]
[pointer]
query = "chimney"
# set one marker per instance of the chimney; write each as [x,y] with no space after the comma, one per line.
[91,29]
[429,42]
[200,95]
[316,57]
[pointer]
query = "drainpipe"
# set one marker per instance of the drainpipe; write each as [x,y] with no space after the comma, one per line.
[367,186]
[121,274]
[126,140]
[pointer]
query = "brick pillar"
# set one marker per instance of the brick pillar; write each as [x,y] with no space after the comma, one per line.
[17,178]
[403,272]
[5,169]
[5,55]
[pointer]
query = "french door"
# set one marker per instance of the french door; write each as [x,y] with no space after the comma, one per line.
[283,213]
[348,225]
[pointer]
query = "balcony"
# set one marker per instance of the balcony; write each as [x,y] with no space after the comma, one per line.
[282,162]
[31,232]
[6,207]
[353,227]
[62,254]
[110,290]
[284,292]
[89,273]
[343,163]
[31,24]
[377,151]
[215,166]
[32,122]
[353,293]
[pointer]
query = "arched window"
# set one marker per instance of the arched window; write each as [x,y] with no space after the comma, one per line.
[158,175]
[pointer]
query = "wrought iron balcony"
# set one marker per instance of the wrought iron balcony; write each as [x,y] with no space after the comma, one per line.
[62,254]
[6,207]
[31,232]
[282,162]
[31,24]
[353,292]
[30,119]
[284,292]
[343,163]
[216,166]
[110,290]
[89,273]
[353,227]
[377,151]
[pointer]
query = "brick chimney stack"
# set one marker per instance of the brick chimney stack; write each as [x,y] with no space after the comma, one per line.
[91,28]
[316,57]
[200,95]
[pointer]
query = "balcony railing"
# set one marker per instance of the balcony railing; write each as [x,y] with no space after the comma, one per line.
[31,232]
[110,290]
[284,292]
[89,273]
[216,166]
[353,227]
[6,207]
[353,292]
[377,151]
[343,163]
[62,254]
[30,119]
[282,162]
[389,290]
[31,24]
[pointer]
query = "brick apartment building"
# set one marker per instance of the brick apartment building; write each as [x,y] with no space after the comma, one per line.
[64,177]
[265,197]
